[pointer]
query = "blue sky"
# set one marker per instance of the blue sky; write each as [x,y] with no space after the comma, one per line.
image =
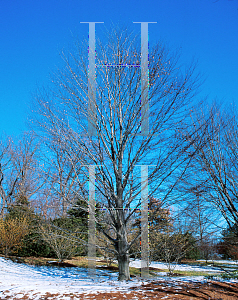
[32,34]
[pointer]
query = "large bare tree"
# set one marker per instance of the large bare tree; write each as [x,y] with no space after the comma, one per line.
[119,147]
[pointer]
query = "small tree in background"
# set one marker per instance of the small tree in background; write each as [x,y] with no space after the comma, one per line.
[77,220]
[12,232]
[159,221]
[172,247]
[67,235]
[105,248]
[62,237]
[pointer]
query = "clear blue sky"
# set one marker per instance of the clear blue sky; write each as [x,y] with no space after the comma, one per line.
[32,33]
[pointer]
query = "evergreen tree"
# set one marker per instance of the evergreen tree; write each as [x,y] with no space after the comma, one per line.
[68,235]
[228,247]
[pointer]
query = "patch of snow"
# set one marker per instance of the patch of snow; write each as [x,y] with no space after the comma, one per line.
[179,267]
[229,262]
[20,278]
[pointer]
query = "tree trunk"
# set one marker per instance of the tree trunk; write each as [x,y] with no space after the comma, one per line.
[6,252]
[123,255]
[123,265]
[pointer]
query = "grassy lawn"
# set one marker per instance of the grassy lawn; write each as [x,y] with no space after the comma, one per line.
[194,273]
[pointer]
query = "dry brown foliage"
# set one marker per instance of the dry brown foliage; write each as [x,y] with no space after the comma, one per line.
[12,232]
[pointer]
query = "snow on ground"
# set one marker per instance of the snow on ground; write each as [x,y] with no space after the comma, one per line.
[179,267]
[20,278]
[17,279]
[228,262]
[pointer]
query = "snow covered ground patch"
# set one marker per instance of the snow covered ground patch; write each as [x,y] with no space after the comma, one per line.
[179,267]
[20,278]
[221,261]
